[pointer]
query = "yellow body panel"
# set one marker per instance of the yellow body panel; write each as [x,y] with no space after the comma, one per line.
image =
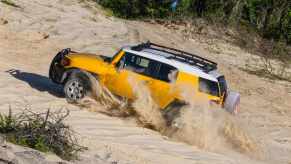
[188,88]
[163,92]
[120,82]
[88,62]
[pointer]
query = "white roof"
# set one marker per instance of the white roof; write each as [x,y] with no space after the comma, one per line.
[181,66]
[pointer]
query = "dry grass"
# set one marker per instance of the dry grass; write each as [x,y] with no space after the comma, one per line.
[10,3]
[45,132]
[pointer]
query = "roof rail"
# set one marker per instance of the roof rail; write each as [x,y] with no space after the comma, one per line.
[186,57]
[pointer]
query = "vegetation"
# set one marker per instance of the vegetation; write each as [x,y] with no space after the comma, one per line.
[268,68]
[10,3]
[271,18]
[45,132]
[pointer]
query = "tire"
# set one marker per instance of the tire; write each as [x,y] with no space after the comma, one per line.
[232,102]
[75,89]
[172,112]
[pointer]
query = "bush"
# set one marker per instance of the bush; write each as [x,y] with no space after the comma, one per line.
[45,132]
[137,8]
[271,18]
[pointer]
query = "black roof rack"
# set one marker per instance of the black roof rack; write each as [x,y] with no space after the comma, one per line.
[192,59]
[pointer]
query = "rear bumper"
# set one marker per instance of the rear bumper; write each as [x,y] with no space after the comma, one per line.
[56,70]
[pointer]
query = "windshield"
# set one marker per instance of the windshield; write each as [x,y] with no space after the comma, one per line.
[209,87]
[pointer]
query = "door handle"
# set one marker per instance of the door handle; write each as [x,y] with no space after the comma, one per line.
[148,82]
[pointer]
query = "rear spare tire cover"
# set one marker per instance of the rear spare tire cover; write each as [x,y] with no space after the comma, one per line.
[232,102]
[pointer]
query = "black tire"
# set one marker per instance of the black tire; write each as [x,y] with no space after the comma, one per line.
[172,112]
[75,89]
[232,102]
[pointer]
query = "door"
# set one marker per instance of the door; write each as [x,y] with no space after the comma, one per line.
[131,70]
[163,85]
[134,70]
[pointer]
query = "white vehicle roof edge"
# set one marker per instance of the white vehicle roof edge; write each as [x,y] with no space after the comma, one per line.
[183,67]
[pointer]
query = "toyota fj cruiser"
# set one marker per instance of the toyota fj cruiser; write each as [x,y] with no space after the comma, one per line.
[159,67]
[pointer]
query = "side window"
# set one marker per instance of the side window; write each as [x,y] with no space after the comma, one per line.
[135,63]
[209,87]
[138,64]
[147,67]
[167,73]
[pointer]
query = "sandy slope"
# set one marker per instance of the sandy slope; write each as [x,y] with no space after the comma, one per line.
[10,153]
[40,28]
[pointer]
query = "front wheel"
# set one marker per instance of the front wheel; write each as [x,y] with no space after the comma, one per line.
[75,90]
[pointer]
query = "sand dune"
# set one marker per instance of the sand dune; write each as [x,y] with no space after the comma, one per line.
[31,35]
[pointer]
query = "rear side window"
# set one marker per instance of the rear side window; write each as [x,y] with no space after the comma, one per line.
[167,73]
[209,87]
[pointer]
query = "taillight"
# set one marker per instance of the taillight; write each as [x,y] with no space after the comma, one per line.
[65,61]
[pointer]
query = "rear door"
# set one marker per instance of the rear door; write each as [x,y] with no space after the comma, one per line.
[163,85]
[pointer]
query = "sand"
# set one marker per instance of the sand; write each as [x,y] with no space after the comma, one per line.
[30,36]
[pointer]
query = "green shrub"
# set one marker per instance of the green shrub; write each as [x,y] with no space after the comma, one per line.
[45,132]
[137,8]
[271,18]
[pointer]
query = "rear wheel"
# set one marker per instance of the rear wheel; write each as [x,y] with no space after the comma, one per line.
[75,90]
[172,112]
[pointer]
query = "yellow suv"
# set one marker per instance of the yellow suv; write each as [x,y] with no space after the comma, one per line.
[165,71]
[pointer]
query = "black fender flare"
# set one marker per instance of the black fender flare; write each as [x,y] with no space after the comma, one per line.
[55,70]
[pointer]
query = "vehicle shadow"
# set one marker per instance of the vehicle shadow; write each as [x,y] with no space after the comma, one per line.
[39,82]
